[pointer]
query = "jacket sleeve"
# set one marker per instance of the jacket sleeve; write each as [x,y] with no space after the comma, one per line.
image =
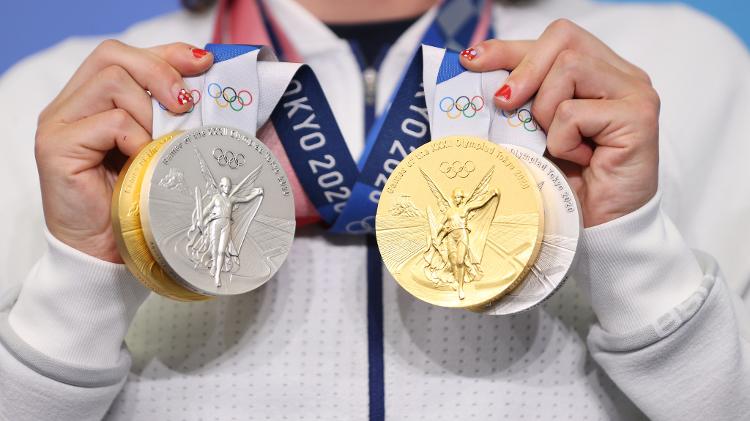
[63,314]
[670,332]
[62,355]
[672,328]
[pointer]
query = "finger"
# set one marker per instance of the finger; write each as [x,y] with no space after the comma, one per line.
[84,144]
[494,54]
[579,119]
[577,75]
[527,76]
[152,72]
[118,129]
[111,88]
[185,58]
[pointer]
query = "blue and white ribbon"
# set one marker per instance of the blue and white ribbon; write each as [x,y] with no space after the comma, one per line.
[436,97]
[461,103]
[244,88]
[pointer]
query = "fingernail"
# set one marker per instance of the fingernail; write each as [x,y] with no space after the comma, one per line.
[184,97]
[503,93]
[469,53]
[198,53]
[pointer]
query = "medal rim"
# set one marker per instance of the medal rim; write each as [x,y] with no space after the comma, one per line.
[489,307]
[157,281]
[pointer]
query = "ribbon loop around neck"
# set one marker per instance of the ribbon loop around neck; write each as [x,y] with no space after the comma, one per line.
[436,96]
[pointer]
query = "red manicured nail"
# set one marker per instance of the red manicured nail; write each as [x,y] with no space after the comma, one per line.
[184,97]
[469,54]
[503,92]
[198,53]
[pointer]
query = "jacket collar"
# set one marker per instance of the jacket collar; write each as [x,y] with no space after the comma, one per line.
[312,37]
[333,61]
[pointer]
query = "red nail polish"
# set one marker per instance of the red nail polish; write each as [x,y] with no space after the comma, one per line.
[184,97]
[503,92]
[198,53]
[469,54]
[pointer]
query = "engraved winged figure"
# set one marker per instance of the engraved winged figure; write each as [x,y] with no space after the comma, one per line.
[220,221]
[457,238]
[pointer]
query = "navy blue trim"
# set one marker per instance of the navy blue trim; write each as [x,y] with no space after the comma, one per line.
[375,330]
[375,371]
[305,112]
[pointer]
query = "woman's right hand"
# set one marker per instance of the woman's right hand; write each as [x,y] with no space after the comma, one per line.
[105,107]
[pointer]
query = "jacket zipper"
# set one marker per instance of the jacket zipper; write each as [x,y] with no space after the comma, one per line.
[370,81]
[370,77]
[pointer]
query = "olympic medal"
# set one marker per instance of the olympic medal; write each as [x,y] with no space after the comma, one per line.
[459,222]
[126,223]
[217,211]
[562,227]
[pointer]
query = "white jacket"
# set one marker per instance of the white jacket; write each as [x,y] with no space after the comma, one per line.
[646,327]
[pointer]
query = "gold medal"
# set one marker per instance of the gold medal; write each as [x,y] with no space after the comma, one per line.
[126,223]
[459,222]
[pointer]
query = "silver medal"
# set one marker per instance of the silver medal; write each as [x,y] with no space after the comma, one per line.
[217,211]
[562,228]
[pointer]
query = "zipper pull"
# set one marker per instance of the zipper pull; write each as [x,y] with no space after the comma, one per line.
[370,77]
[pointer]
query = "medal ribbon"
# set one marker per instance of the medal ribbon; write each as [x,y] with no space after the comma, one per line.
[344,195]
[241,91]
[460,102]
[404,125]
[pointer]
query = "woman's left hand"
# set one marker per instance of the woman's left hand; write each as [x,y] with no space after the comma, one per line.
[600,113]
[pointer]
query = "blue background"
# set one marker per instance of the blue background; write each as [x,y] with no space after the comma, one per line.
[30,26]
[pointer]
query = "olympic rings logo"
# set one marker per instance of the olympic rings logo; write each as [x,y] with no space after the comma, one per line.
[457,168]
[196,98]
[229,158]
[462,105]
[229,97]
[365,225]
[521,118]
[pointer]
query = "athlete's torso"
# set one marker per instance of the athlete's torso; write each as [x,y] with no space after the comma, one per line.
[456,217]
[221,207]
[298,347]
[301,345]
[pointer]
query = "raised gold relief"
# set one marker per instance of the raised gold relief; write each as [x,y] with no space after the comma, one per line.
[459,222]
[460,218]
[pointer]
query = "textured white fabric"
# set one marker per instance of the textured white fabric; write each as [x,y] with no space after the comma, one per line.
[714,389]
[608,248]
[26,395]
[297,347]
[76,308]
